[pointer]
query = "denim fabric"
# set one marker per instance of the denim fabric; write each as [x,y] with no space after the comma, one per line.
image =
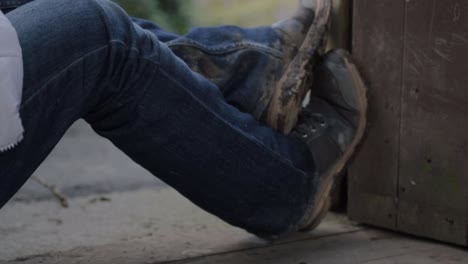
[88,59]
[228,56]
[231,57]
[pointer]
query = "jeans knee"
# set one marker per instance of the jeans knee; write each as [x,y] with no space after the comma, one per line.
[117,27]
[94,20]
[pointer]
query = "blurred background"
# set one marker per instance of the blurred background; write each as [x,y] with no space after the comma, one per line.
[179,15]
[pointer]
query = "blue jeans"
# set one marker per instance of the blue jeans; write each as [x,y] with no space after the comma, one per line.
[88,59]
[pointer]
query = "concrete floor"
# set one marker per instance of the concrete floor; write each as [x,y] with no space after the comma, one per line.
[119,213]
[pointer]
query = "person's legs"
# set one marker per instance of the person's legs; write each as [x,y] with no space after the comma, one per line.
[244,63]
[248,64]
[87,59]
[273,92]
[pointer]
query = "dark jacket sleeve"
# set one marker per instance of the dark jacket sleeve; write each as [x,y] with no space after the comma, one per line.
[8,5]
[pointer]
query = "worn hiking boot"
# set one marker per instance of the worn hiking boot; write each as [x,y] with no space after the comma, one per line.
[305,31]
[293,30]
[332,125]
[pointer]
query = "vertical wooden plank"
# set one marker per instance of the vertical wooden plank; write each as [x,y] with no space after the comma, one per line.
[378,28]
[433,183]
[339,35]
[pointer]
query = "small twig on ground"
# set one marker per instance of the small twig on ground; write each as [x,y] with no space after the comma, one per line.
[53,189]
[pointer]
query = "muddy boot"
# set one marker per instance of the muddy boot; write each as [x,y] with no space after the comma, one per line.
[306,33]
[293,30]
[332,126]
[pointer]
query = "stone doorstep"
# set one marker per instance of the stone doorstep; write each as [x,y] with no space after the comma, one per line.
[144,226]
[125,228]
[354,247]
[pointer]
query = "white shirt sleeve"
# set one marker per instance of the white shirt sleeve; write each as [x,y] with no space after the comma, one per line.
[11,86]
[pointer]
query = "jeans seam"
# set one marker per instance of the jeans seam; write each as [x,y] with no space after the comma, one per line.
[144,59]
[218,50]
[247,135]
[54,76]
[286,162]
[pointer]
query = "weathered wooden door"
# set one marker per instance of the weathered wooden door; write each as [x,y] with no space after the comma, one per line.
[411,174]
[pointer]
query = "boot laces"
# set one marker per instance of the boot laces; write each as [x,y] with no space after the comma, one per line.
[310,123]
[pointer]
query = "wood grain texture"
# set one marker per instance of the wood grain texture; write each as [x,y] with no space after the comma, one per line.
[414,56]
[378,52]
[433,183]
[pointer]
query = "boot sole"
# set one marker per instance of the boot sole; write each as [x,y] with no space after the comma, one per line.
[321,206]
[294,84]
